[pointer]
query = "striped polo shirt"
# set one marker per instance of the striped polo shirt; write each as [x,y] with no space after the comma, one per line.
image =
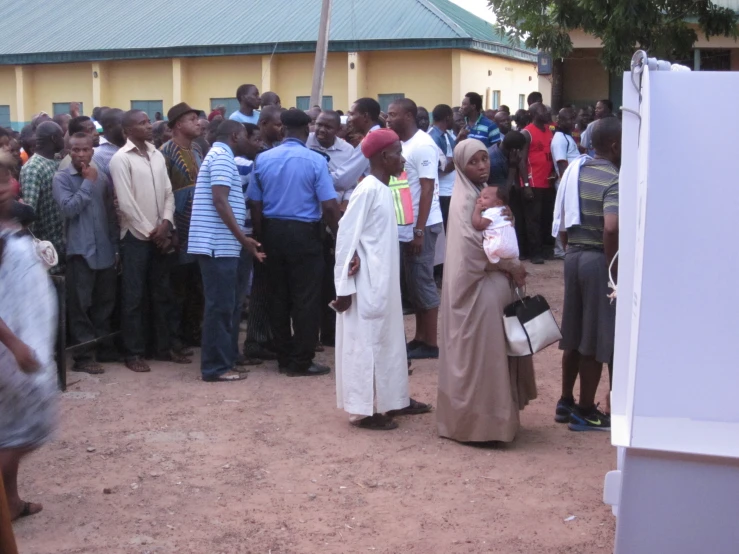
[598,196]
[485,131]
[209,236]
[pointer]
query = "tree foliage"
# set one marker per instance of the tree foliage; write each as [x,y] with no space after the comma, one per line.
[665,28]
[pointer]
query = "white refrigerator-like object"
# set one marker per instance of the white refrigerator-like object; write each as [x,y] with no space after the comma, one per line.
[675,397]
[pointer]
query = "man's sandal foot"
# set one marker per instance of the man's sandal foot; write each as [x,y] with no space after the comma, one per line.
[93,368]
[28,509]
[227,377]
[243,361]
[138,365]
[377,422]
[173,357]
[184,351]
[414,408]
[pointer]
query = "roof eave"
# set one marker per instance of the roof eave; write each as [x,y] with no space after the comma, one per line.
[266,48]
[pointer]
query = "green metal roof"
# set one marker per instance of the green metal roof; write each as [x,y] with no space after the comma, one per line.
[55,31]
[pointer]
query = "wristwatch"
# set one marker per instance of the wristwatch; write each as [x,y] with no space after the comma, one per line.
[419,232]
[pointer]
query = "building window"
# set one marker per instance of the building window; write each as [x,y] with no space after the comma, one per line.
[4,116]
[60,108]
[386,99]
[715,60]
[303,103]
[232,105]
[151,107]
[521,101]
[496,99]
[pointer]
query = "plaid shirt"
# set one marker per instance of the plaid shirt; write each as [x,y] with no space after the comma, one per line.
[37,175]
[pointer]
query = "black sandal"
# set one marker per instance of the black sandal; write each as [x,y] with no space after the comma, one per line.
[414,408]
[377,422]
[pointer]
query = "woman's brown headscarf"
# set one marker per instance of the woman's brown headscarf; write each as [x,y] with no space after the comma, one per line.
[464,242]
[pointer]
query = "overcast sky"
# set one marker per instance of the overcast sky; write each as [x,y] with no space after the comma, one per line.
[478,7]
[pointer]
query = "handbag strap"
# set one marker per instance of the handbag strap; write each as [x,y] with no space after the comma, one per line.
[611,283]
[519,294]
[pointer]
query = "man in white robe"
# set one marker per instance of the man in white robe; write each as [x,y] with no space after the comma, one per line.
[371,361]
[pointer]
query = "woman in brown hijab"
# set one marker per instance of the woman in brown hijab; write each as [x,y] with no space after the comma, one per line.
[481,389]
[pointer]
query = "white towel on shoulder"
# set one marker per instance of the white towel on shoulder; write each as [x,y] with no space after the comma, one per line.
[567,203]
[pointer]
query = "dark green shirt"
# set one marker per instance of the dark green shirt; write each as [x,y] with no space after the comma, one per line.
[598,186]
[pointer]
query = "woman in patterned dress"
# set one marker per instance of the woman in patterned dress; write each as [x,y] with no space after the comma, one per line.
[28,389]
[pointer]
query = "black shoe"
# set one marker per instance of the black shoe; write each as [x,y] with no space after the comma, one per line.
[595,420]
[313,371]
[424,352]
[412,345]
[537,260]
[564,409]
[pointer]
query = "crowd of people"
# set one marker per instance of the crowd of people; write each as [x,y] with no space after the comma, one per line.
[315,229]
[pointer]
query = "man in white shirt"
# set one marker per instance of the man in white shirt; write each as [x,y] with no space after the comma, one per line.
[441,133]
[146,207]
[419,238]
[363,118]
[338,152]
[564,152]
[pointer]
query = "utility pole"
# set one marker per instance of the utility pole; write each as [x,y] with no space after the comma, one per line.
[319,68]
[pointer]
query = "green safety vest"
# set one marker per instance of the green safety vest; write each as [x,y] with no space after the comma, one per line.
[402,199]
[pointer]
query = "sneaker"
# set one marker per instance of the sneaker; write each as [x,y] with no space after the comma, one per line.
[537,260]
[593,421]
[564,409]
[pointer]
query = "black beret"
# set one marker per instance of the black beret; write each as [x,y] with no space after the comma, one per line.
[294,118]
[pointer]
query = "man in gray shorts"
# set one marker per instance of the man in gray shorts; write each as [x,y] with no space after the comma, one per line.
[589,318]
[418,240]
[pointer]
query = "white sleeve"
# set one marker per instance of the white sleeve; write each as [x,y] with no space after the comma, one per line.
[426,159]
[559,148]
[351,228]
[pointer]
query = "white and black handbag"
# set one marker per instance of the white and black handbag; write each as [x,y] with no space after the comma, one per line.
[529,326]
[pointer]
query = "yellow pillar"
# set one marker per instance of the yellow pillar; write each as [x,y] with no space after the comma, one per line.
[97,86]
[20,96]
[267,66]
[352,60]
[176,81]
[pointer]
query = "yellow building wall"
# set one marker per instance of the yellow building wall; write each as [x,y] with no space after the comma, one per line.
[47,84]
[585,80]
[484,74]
[424,76]
[292,76]
[137,80]
[218,77]
[7,89]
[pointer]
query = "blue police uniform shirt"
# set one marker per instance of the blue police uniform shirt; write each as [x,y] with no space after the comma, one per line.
[291,181]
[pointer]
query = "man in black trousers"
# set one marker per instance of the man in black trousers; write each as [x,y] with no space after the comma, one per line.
[290,189]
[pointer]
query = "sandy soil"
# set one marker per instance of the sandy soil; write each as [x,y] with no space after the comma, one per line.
[271,466]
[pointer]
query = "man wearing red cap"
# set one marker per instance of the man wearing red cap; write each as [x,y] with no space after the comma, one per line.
[371,365]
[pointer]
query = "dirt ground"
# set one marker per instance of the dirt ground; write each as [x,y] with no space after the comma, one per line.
[270,465]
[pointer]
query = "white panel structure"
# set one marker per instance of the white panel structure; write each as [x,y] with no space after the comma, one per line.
[675,417]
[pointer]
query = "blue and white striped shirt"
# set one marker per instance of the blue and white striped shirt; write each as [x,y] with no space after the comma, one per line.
[208,233]
[245,166]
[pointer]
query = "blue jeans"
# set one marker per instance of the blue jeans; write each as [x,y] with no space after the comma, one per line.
[246,263]
[220,278]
